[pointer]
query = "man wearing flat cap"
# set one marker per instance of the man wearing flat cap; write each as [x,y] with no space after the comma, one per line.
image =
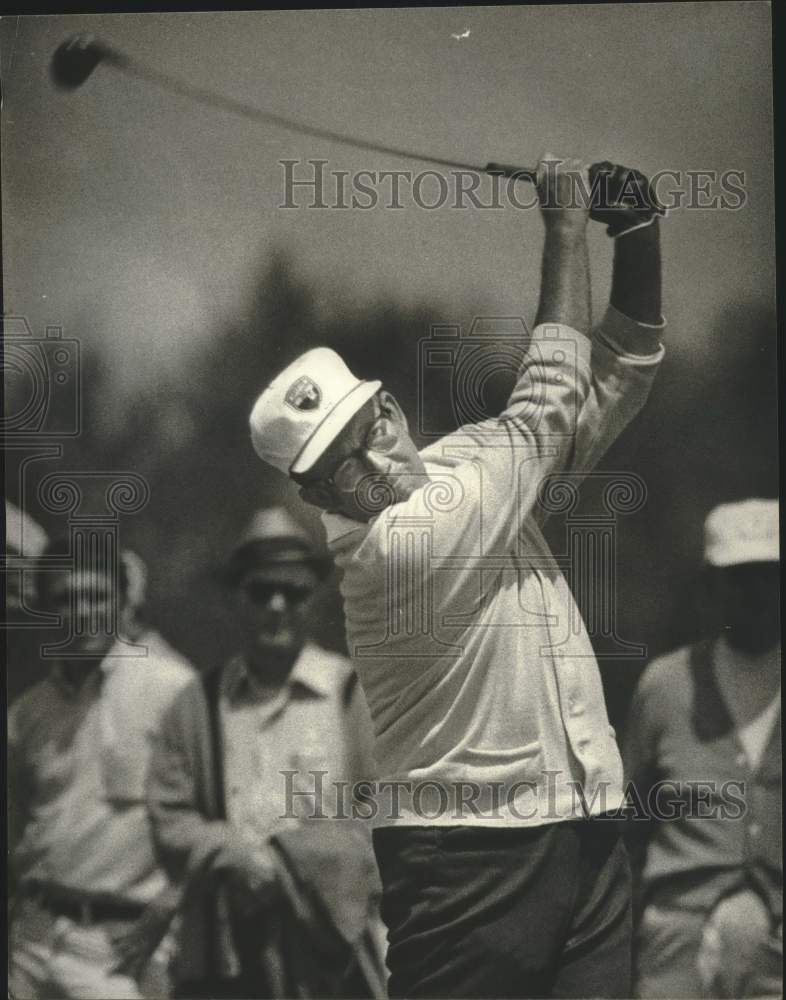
[249,756]
[705,724]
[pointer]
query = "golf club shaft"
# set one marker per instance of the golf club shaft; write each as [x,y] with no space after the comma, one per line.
[209,98]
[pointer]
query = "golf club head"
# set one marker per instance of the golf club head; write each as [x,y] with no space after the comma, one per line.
[75,59]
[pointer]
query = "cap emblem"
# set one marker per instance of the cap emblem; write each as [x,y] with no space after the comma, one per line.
[303,394]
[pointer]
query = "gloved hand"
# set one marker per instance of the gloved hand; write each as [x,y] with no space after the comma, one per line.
[623,198]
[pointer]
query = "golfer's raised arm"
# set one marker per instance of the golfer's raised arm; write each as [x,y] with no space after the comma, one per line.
[565,274]
[553,380]
[534,435]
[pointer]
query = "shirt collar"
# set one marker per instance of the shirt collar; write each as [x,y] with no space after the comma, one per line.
[730,657]
[118,653]
[337,526]
[108,665]
[310,672]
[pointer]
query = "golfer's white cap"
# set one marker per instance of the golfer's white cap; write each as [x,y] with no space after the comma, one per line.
[742,532]
[304,409]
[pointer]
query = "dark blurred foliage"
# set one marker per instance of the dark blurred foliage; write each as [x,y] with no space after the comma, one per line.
[709,434]
[188,436]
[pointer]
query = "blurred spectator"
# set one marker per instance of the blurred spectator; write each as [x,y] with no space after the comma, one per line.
[157,974]
[712,880]
[274,905]
[24,542]
[90,902]
[23,537]
[138,628]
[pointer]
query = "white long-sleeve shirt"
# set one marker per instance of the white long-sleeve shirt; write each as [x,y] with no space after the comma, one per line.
[487,705]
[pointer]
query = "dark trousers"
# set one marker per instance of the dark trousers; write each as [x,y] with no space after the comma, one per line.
[517,912]
[230,988]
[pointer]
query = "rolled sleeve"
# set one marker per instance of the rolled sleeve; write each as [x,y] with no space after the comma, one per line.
[626,356]
[632,341]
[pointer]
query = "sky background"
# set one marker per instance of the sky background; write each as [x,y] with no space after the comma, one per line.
[140,221]
[150,229]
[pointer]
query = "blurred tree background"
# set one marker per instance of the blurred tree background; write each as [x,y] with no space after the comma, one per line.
[708,435]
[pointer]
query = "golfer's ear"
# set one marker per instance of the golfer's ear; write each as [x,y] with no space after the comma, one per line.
[389,401]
